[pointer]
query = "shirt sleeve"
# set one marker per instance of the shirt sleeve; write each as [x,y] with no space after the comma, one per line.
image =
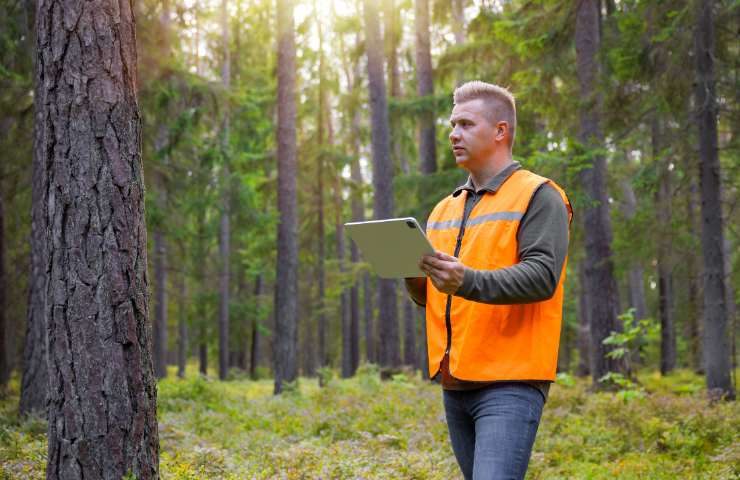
[543,246]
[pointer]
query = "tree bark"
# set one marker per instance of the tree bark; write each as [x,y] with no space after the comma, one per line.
[425,88]
[603,301]
[286,289]
[35,379]
[102,400]
[716,338]
[390,355]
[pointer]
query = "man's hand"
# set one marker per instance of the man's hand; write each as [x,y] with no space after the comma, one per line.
[445,271]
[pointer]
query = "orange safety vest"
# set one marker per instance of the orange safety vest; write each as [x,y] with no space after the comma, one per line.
[491,342]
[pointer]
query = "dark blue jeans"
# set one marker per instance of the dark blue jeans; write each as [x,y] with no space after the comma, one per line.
[492,429]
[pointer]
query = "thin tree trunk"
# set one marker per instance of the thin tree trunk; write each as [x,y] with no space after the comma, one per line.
[425,88]
[390,355]
[458,29]
[665,275]
[160,313]
[254,351]
[584,325]
[4,367]
[716,338]
[358,215]
[35,380]
[102,389]
[409,332]
[225,230]
[182,325]
[603,295]
[694,274]
[320,228]
[286,289]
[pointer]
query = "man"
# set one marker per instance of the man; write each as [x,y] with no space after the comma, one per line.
[493,289]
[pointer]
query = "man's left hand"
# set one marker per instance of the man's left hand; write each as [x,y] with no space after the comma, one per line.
[445,271]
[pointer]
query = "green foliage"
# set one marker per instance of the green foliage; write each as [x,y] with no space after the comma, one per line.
[362,428]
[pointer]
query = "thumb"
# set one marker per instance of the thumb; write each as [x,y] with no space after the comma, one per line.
[444,256]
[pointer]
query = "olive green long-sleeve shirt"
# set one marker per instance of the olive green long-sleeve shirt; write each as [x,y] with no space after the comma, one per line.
[543,245]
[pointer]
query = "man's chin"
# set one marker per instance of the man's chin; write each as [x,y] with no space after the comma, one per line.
[461,160]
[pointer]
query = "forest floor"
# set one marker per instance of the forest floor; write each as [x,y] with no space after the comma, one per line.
[364,428]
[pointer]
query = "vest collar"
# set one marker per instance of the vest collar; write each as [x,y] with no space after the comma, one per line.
[493,185]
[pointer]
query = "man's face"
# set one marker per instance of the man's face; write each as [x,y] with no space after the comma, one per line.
[473,138]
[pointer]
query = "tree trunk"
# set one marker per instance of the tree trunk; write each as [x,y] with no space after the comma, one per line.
[665,275]
[35,381]
[160,313]
[694,274]
[584,325]
[716,338]
[102,389]
[4,367]
[254,351]
[390,355]
[409,332]
[320,228]
[358,215]
[425,88]
[225,230]
[603,301]
[286,289]
[458,29]
[182,325]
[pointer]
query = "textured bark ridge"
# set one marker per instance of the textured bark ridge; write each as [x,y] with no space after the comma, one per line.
[102,391]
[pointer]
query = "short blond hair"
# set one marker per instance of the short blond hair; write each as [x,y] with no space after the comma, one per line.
[500,102]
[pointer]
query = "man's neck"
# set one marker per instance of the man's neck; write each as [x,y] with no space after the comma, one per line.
[482,176]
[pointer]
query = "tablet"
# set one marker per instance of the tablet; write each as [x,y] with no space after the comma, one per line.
[393,246]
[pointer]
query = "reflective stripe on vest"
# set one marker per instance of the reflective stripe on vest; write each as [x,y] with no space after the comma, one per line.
[491,342]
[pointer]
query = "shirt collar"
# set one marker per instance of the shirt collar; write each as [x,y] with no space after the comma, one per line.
[493,185]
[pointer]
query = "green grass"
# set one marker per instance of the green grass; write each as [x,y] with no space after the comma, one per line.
[362,428]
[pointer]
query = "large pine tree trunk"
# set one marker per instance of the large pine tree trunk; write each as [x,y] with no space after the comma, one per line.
[603,301]
[390,352]
[716,338]
[35,380]
[286,289]
[102,389]
[424,88]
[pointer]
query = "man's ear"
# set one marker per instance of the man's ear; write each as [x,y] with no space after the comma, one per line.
[502,130]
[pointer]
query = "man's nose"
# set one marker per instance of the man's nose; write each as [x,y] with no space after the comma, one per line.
[454,135]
